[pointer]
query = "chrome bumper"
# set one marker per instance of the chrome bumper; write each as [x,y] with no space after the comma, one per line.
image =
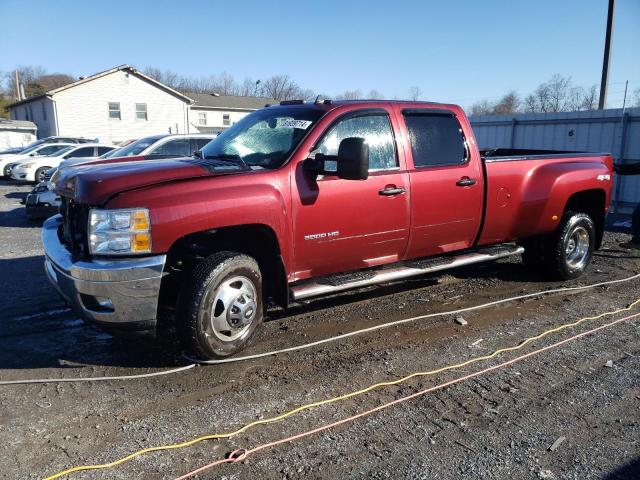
[121,292]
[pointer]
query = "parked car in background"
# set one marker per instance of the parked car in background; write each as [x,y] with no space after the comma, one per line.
[33,169]
[28,153]
[75,160]
[63,140]
[163,146]
[42,201]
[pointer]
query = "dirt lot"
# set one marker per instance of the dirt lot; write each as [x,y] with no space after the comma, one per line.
[499,425]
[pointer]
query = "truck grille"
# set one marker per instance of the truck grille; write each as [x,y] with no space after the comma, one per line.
[75,217]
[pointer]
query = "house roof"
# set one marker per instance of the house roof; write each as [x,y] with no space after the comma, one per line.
[232,102]
[6,124]
[124,68]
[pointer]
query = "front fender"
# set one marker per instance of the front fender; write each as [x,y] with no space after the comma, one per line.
[182,208]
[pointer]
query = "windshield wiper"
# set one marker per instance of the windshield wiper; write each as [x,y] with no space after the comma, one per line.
[227,157]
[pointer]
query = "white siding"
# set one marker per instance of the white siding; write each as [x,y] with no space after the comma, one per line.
[214,118]
[41,112]
[84,109]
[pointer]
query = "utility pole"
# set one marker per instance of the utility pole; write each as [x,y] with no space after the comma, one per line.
[607,58]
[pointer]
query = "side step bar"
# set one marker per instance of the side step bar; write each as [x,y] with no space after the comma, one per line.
[363,278]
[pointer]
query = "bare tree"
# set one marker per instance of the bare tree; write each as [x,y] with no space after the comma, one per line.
[483,107]
[415,93]
[375,94]
[281,87]
[510,103]
[350,95]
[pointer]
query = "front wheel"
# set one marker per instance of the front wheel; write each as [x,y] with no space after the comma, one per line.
[220,307]
[40,174]
[569,251]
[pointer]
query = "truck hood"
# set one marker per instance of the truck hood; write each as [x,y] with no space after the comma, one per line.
[94,184]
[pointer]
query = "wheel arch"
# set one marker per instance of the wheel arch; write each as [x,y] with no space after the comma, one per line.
[259,241]
[593,203]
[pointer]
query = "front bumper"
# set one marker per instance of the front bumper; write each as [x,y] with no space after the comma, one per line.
[22,174]
[120,292]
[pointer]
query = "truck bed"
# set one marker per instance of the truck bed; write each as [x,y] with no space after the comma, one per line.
[511,154]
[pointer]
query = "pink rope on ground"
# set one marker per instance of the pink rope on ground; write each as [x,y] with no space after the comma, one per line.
[241,453]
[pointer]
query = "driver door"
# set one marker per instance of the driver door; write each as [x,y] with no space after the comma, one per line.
[342,225]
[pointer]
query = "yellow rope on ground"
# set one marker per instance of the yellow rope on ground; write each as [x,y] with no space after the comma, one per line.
[338,398]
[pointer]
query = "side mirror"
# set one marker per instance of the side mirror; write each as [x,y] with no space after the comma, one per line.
[353,159]
[197,154]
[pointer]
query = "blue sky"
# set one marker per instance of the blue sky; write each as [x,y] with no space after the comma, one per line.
[458,51]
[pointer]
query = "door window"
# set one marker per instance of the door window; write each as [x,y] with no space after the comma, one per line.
[81,152]
[436,139]
[103,150]
[198,143]
[50,149]
[374,128]
[178,148]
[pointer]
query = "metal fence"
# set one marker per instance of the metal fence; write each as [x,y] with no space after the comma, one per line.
[613,131]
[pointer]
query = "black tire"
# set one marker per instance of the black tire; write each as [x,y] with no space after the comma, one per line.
[39,175]
[196,307]
[559,260]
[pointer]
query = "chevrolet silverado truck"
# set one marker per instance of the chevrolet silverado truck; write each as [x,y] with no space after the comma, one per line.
[299,200]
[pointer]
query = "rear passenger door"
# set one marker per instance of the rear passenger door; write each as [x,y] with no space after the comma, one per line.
[447,183]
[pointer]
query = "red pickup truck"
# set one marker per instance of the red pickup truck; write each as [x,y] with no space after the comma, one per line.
[305,199]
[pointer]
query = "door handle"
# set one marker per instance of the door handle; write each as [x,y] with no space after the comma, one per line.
[466,182]
[392,190]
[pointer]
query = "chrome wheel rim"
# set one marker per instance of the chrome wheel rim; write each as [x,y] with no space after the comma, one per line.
[40,176]
[576,248]
[234,308]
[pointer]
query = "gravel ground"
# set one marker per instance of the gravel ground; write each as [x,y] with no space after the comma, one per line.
[499,425]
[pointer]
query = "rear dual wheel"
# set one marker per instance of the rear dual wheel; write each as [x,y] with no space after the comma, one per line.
[221,307]
[566,253]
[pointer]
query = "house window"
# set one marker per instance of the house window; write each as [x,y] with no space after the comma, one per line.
[141,111]
[114,110]
[202,118]
[226,119]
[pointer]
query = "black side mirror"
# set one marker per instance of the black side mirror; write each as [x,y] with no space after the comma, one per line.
[197,154]
[353,159]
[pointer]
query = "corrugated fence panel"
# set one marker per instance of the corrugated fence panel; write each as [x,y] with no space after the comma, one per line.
[609,131]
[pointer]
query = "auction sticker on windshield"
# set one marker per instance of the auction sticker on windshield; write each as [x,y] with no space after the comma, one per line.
[303,124]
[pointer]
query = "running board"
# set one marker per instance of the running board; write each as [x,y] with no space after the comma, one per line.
[413,268]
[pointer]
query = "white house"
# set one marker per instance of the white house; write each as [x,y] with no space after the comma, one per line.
[123,104]
[211,112]
[111,106]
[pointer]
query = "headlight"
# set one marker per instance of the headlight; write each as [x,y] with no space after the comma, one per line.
[25,165]
[119,232]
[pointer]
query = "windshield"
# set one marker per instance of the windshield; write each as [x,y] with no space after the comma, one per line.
[135,148]
[30,149]
[263,139]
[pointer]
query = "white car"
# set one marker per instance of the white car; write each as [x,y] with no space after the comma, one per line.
[33,169]
[28,153]
[162,146]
